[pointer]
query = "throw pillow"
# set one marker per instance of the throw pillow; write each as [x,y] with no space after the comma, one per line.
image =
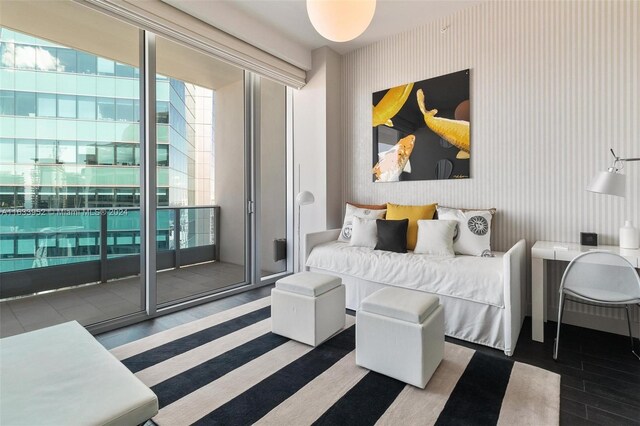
[414,214]
[492,210]
[350,213]
[435,237]
[473,231]
[392,235]
[369,206]
[364,232]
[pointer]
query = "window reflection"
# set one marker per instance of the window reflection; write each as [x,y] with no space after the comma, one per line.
[66,106]
[87,107]
[124,110]
[25,104]
[25,57]
[7,52]
[87,152]
[31,104]
[162,112]
[25,151]
[7,102]
[7,150]
[106,109]
[106,154]
[125,155]
[86,63]
[66,152]
[46,151]
[66,60]
[46,59]
[106,66]
[46,105]
[28,151]
[123,70]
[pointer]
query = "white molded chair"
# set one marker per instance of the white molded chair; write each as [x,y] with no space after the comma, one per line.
[598,277]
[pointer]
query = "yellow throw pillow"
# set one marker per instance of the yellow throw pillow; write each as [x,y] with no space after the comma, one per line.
[414,214]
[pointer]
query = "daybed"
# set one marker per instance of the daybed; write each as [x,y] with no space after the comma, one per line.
[482,296]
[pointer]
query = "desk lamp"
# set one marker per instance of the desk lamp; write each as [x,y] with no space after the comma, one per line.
[613,182]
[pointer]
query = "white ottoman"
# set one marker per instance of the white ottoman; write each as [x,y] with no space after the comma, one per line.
[400,333]
[308,307]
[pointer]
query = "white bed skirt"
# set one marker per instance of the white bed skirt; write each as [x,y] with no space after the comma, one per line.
[463,319]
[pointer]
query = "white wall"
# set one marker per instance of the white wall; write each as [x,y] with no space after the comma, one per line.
[317,143]
[230,170]
[333,140]
[554,85]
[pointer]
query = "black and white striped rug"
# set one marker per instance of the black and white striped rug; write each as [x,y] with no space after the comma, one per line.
[229,369]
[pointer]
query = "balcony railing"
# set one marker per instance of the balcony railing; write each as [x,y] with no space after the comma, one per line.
[55,248]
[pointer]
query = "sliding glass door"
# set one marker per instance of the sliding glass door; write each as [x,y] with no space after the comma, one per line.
[136,173]
[69,166]
[201,213]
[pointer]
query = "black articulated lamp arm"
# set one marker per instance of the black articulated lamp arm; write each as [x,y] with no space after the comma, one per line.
[623,159]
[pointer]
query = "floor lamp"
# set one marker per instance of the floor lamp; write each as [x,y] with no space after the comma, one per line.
[302,199]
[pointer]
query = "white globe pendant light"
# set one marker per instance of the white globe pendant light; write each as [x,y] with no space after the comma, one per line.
[341,20]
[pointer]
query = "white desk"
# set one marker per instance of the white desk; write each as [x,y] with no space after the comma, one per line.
[545,251]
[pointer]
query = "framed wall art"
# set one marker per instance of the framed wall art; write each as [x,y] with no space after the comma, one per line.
[422,130]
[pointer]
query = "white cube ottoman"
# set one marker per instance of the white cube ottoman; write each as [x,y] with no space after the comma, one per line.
[400,333]
[308,307]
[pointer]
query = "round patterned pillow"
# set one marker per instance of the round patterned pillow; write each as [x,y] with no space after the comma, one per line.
[478,225]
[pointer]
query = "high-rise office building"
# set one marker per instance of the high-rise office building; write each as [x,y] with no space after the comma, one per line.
[70,139]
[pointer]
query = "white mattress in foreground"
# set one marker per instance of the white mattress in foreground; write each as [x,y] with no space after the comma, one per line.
[61,375]
[479,279]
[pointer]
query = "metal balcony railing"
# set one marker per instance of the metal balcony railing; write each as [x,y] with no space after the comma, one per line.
[48,249]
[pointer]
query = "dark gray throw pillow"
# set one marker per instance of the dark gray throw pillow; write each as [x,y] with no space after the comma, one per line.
[392,235]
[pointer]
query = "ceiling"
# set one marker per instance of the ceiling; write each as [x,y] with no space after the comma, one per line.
[286,21]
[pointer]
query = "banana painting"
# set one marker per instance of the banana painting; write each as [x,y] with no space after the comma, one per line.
[456,132]
[393,162]
[390,104]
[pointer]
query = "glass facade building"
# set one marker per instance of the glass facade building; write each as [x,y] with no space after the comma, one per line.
[70,138]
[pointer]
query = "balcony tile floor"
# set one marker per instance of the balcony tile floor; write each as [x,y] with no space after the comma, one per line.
[99,302]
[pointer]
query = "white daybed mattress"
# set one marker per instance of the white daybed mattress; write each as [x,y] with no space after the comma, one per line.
[477,279]
[473,322]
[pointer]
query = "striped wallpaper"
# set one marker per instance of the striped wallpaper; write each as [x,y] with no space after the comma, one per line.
[554,85]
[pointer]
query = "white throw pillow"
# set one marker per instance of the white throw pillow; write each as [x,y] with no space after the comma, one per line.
[473,233]
[353,211]
[364,232]
[435,237]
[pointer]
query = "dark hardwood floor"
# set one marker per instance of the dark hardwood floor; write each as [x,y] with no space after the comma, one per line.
[127,334]
[600,376]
